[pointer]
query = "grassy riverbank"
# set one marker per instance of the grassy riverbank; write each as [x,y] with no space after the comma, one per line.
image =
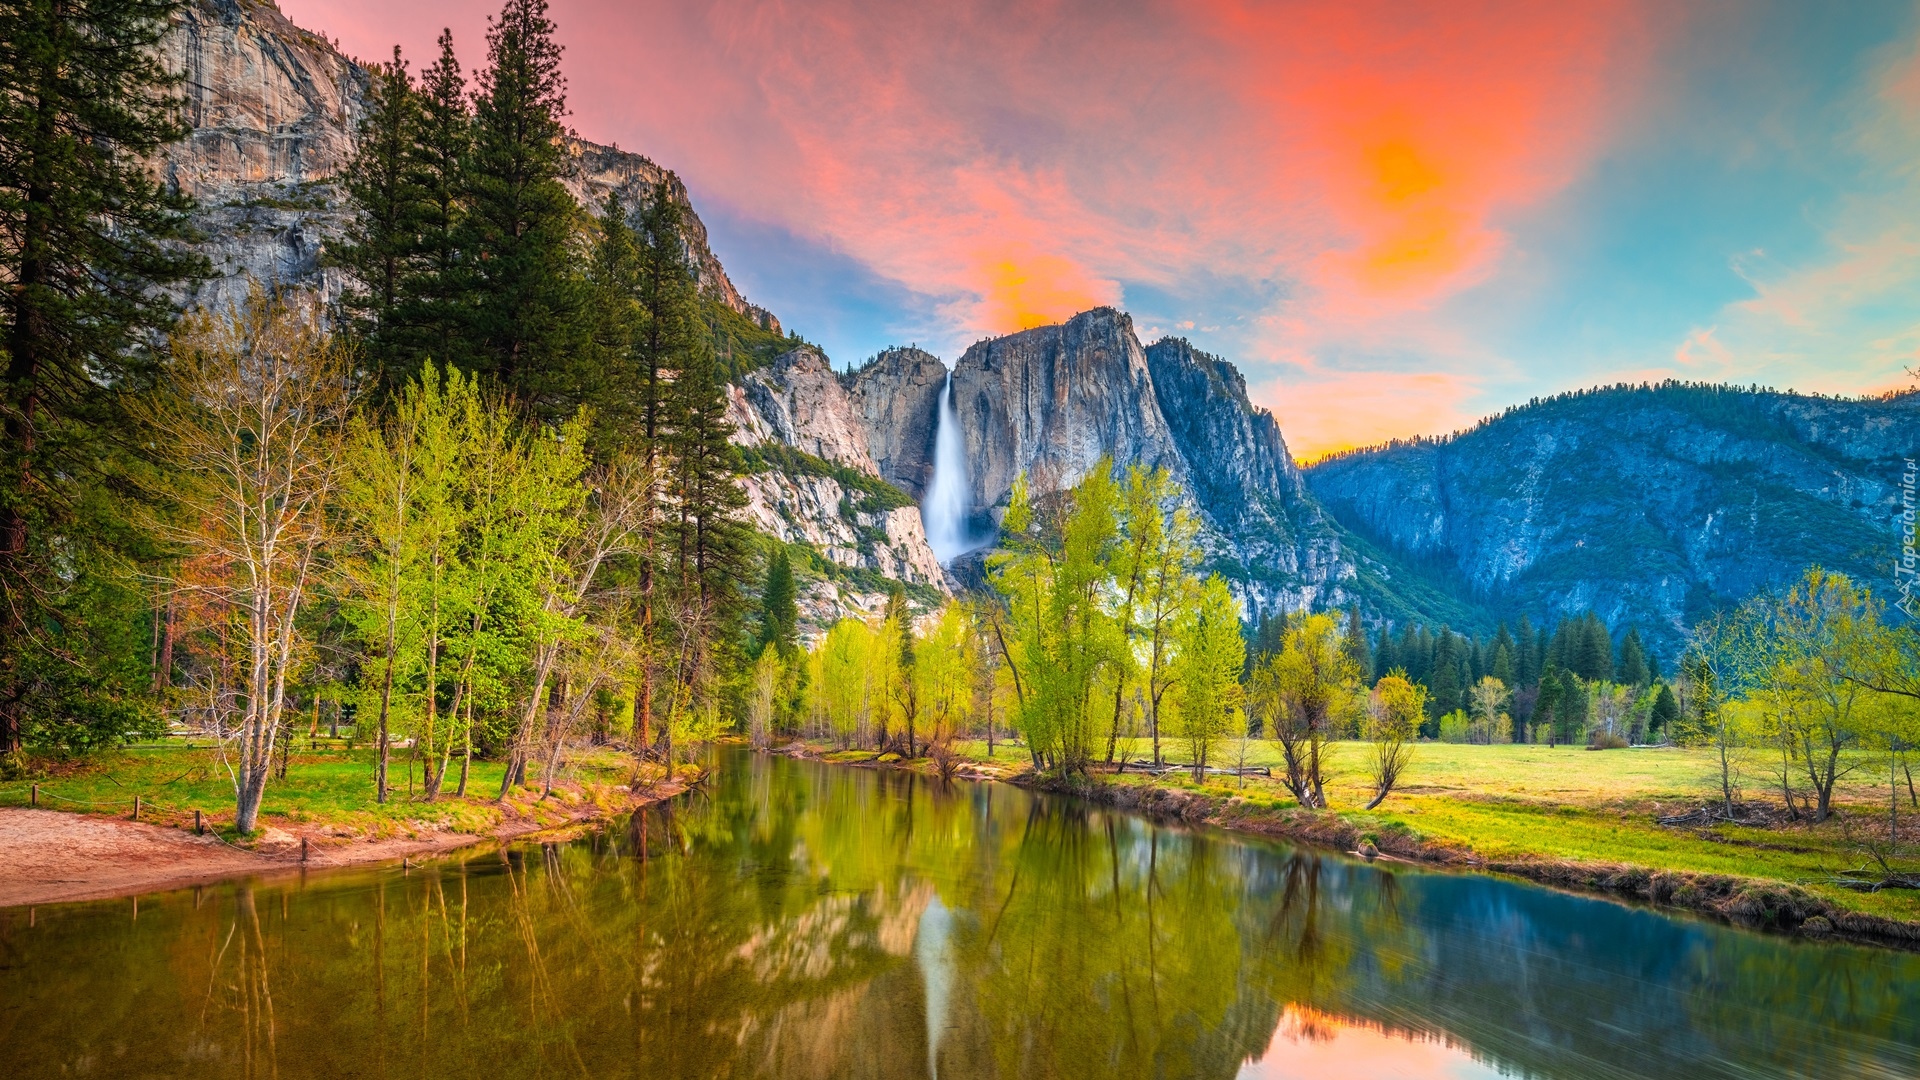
[327,792]
[1565,816]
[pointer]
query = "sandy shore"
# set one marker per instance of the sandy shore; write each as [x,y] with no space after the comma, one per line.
[52,856]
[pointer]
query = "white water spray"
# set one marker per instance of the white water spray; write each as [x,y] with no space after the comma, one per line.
[949,500]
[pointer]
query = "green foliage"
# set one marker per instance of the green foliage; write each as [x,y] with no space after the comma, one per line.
[779,613]
[389,195]
[525,326]
[740,344]
[876,495]
[85,249]
[1210,653]
[1665,714]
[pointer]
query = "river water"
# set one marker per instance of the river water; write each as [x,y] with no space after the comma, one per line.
[803,920]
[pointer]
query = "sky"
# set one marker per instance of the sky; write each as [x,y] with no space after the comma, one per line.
[1395,218]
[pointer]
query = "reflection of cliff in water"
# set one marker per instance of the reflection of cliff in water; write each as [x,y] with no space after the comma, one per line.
[808,921]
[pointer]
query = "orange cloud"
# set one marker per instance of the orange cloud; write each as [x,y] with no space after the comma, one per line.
[1026,288]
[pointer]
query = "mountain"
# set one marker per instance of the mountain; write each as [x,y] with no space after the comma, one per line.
[1050,402]
[1650,505]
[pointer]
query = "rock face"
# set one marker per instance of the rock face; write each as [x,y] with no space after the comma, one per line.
[1650,505]
[599,170]
[896,399]
[1052,401]
[1241,475]
[803,403]
[275,109]
[800,402]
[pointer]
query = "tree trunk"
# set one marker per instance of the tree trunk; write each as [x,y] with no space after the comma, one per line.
[386,700]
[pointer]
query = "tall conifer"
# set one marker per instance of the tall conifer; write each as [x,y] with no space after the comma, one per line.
[520,220]
[385,186]
[439,294]
[85,105]
[703,500]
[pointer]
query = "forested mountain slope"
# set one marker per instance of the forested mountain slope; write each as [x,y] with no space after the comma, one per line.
[1649,505]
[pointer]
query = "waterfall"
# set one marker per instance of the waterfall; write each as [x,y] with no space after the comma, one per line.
[949,499]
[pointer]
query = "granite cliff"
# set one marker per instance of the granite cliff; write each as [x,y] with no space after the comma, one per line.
[1052,401]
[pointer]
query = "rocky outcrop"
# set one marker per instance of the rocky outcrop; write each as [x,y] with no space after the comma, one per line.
[1649,505]
[274,111]
[797,508]
[601,170]
[1237,467]
[1051,401]
[896,397]
[802,402]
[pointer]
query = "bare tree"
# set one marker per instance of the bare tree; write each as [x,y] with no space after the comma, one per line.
[250,413]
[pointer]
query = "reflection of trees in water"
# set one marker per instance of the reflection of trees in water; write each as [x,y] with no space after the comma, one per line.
[769,929]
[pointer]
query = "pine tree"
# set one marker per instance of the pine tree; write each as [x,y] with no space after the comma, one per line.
[388,196]
[647,337]
[527,329]
[1631,670]
[1593,660]
[615,318]
[1357,641]
[779,612]
[438,294]
[1526,660]
[1385,657]
[1447,680]
[85,106]
[1663,716]
[1546,707]
[708,541]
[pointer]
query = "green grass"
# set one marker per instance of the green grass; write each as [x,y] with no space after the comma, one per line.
[1516,802]
[330,786]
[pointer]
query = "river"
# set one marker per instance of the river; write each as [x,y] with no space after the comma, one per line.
[804,920]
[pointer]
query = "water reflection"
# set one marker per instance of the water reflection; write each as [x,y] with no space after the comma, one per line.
[805,921]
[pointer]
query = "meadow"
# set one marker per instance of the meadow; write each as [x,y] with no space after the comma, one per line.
[1519,802]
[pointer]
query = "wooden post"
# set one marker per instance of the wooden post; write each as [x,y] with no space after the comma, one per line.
[197,829]
[303,849]
[136,808]
[34,799]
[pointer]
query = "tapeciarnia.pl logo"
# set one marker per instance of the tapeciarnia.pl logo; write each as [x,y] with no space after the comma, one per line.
[1905,567]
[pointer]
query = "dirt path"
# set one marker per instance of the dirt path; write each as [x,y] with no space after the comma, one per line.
[52,856]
